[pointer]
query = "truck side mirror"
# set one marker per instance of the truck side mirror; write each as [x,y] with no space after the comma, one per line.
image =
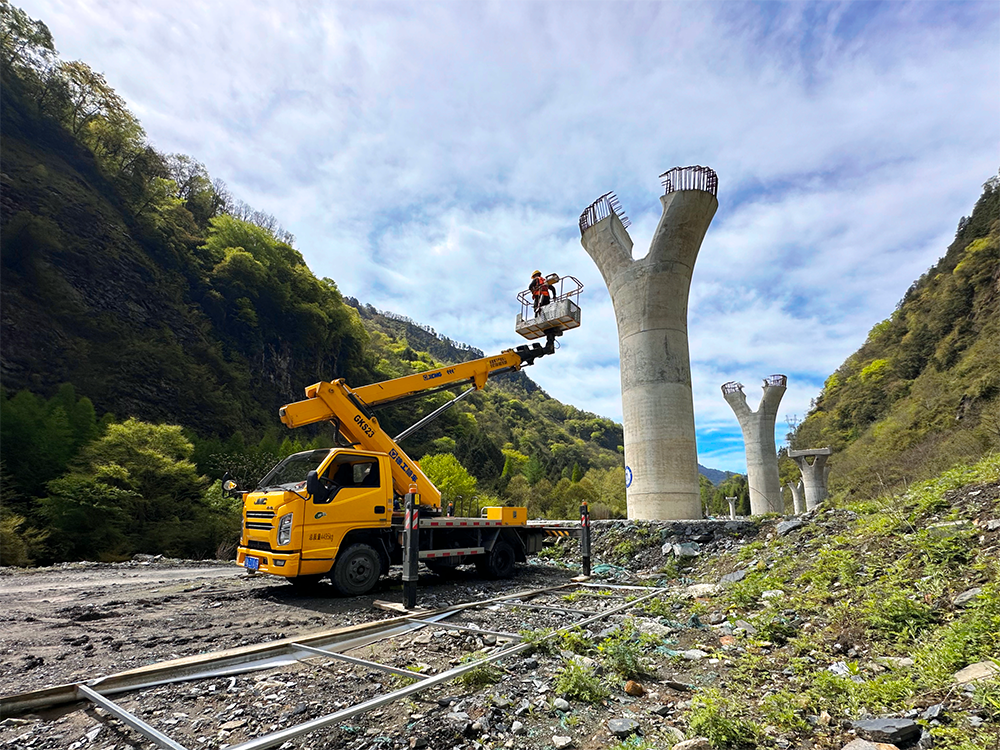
[320,492]
[229,486]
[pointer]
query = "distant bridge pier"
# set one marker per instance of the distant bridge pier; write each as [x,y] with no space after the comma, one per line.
[758,438]
[814,475]
[798,497]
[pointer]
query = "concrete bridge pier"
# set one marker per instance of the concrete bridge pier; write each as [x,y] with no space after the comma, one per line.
[814,475]
[650,297]
[798,497]
[758,439]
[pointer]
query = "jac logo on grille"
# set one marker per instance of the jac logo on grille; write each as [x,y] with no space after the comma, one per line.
[260,501]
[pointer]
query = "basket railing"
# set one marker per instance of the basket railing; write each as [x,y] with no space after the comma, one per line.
[567,287]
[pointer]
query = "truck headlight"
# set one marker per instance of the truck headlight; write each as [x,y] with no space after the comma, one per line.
[285,530]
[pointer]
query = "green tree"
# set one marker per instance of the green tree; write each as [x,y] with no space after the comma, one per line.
[480,454]
[609,489]
[38,438]
[534,470]
[18,544]
[90,97]
[135,490]
[450,477]
[24,42]
[87,518]
[514,462]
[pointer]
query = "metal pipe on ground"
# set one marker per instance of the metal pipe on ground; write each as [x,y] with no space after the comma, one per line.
[284,735]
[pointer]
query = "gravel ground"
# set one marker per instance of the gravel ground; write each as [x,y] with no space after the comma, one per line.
[79,621]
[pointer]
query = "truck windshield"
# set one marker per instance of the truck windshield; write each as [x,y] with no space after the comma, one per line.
[294,470]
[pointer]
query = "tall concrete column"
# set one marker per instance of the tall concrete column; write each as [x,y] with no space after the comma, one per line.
[650,298]
[758,438]
[798,498]
[814,475]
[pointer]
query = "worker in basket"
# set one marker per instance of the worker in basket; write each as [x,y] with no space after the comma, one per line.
[542,290]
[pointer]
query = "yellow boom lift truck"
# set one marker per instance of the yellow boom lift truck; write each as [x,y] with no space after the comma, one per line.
[340,511]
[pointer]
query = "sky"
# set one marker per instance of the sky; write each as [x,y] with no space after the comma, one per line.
[429,156]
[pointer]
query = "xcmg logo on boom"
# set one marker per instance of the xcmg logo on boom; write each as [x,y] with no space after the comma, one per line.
[432,375]
[402,464]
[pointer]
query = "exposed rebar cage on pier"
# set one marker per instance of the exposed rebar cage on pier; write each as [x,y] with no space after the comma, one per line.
[602,208]
[775,381]
[690,178]
[732,386]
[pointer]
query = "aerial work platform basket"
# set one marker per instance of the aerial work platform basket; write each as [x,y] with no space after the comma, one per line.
[562,313]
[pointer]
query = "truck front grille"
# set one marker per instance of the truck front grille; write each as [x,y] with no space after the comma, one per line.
[262,546]
[259,526]
[260,514]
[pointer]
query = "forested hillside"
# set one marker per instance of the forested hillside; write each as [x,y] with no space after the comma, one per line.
[923,392]
[152,324]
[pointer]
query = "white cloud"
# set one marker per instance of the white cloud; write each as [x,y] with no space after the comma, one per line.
[429,155]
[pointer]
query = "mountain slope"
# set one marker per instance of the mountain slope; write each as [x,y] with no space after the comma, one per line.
[923,392]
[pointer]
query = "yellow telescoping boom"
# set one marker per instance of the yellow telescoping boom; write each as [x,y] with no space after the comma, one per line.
[350,408]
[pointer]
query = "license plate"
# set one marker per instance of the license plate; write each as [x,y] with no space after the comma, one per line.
[252,563]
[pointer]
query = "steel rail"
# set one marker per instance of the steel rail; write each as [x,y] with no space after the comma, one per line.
[363,662]
[452,626]
[564,610]
[284,735]
[614,586]
[131,719]
[237,660]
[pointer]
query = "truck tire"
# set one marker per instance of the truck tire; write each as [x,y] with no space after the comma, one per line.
[498,562]
[357,570]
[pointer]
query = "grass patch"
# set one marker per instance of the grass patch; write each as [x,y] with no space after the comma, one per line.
[724,720]
[481,676]
[540,641]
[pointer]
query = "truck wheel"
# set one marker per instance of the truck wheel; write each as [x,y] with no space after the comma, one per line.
[498,562]
[357,570]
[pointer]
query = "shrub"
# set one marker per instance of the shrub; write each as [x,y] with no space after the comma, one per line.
[578,682]
[623,653]
[576,640]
